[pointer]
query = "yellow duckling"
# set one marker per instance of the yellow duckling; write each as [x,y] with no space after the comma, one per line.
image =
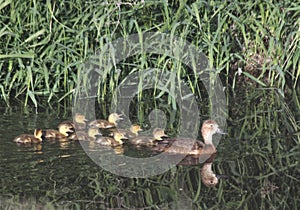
[112,121]
[180,145]
[79,122]
[30,139]
[158,133]
[85,136]
[62,132]
[108,141]
[133,131]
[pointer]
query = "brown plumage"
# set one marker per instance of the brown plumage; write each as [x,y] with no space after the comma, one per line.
[30,139]
[158,133]
[110,123]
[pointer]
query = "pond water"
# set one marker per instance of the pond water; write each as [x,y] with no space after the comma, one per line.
[259,173]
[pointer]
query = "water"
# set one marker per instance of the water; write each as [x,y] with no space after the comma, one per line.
[261,172]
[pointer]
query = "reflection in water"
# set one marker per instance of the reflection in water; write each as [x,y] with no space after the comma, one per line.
[208,177]
[264,173]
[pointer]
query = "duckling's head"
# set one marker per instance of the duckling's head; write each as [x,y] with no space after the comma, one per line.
[135,128]
[65,129]
[210,127]
[114,117]
[38,133]
[80,118]
[118,136]
[158,133]
[93,132]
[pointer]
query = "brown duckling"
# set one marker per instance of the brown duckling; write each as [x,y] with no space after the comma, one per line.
[131,133]
[79,122]
[108,141]
[158,133]
[111,123]
[30,139]
[62,132]
[181,146]
[85,136]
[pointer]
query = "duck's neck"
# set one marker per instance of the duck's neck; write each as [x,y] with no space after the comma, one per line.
[119,140]
[111,119]
[63,132]
[207,136]
[132,130]
[40,138]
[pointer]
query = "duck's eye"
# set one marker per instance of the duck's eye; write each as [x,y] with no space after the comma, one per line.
[211,125]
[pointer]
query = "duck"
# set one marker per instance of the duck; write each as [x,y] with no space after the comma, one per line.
[110,123]
[79,122]
[85,136]
[109,141]
[62,132]
[37,137]
[182,146]
[158,133]
[131,133]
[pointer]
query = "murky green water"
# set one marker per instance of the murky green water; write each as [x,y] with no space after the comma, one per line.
[263,173]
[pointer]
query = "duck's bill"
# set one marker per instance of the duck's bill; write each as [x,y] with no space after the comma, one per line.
[222,176]
[220,131]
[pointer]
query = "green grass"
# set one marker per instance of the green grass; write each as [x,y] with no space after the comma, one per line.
[44,43]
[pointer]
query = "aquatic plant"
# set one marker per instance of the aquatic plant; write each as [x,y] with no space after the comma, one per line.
[44,43]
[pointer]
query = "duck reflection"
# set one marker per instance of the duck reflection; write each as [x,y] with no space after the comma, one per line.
[208,176]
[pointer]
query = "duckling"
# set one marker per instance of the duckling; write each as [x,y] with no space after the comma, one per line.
[158,133]
[85,136]
[111,123]
[133,131]
[108,141]
[63,132]
[181,146]
[79,122]
[28,139]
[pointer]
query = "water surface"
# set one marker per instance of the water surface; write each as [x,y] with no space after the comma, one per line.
[262,172]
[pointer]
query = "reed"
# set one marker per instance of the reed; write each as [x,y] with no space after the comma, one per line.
[44,43]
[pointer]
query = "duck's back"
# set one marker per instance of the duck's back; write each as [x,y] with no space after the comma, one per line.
[26,139]
[107,141]
[53,134]
[143,140]
[100,123]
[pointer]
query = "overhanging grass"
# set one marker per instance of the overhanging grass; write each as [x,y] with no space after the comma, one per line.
[44,43]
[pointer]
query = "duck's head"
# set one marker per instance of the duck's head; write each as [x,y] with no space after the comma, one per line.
[38,133]
[210,127]
[80,118]
[114,117]
[158,133]
[118,136]
[65,129]
[135,129]
[93,132]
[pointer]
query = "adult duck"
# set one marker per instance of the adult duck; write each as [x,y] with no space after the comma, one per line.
[194,147]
